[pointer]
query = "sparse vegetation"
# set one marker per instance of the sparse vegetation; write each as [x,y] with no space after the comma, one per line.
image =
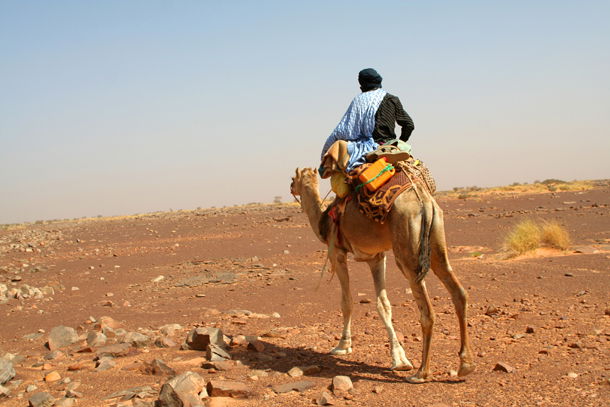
[529,235]
[554,235]
[548,185]
[526,236]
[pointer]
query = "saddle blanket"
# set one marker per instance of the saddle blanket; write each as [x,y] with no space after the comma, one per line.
[377,205]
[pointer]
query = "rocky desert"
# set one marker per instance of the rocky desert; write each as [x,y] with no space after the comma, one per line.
[233,307]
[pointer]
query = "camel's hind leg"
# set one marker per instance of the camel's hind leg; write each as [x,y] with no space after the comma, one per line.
[442,268]
[406,230]
[378,269]
[339,264]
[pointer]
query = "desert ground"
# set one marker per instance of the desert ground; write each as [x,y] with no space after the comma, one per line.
[540,323]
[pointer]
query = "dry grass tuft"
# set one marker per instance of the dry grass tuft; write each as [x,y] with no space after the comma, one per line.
[525,236]
[554,235]
[529,235]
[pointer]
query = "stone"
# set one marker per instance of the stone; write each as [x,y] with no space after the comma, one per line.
[200,338]
[239,340]
[52,377]
[157,368]
[164,342]
[136,339]
[492,311]
[106,322]
[530,330]
[299,386]
[105,363]
[503,367]
[55,355]
[227,388]
[170,329]
[216,353]
[61,336]
[341,385]
[325,399]
[572,375]
[186,389]
[116,350]
[30,388]
[295,372]
[41,399]
[169,398]
[4,392]
[96,339]
[7,372]
[158,279]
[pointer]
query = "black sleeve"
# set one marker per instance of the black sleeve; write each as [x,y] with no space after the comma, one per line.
[404,121]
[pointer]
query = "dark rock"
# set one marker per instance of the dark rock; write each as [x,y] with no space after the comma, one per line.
[7,372]
[157,368]
[42,399]
[200,338]
[61,336]
[96,339]
[186,389]
[216,353]
[116,350]
[105,363]
[136,339]
[503,367]
[164,342]
[227,388]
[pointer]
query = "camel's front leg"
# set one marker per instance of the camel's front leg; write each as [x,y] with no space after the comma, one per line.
[339,264]
[378,267]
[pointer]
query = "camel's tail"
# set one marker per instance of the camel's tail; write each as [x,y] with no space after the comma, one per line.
[423,263]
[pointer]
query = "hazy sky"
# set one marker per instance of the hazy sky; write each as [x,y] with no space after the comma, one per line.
[119,107]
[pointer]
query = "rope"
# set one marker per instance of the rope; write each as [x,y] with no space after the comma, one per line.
[387,168]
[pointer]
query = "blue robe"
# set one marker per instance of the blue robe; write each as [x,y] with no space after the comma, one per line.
[356,127]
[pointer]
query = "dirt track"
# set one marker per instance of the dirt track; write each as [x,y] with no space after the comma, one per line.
[265,259]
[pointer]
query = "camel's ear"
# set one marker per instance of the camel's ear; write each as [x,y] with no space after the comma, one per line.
[296,172]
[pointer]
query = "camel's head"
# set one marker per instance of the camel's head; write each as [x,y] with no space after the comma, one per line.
[305,177]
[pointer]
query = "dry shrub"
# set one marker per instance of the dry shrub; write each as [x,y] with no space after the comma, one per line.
[554,235]
[524,237]
[529,235]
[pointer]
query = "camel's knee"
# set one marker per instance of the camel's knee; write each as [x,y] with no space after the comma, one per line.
[383,306]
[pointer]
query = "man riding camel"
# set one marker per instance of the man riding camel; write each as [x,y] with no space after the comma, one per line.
[370,120]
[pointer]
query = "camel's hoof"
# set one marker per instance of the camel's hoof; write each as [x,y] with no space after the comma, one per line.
[341,351]
[403,367]
[416,379]
[466,369]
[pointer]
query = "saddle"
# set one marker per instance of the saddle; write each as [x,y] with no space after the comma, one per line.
[376,204]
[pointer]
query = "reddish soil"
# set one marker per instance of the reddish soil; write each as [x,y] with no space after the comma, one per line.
[266,259]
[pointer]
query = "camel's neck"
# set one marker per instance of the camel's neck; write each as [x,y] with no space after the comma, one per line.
[312,205]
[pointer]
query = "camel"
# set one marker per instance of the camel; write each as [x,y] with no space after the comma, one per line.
[414,231]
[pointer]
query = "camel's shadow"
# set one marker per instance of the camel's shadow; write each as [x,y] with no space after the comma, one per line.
[280,359]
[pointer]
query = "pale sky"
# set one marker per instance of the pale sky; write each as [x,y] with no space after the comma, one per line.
[121,107]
